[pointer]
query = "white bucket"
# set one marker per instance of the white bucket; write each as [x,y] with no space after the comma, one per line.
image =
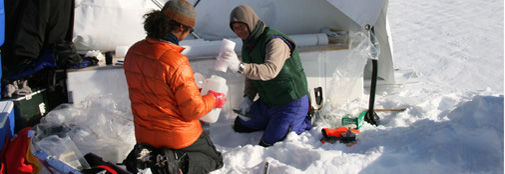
[217,84]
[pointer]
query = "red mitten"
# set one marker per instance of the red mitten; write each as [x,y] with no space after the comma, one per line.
[220,98]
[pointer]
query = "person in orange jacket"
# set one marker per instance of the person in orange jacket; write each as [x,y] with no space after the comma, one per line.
[166,102]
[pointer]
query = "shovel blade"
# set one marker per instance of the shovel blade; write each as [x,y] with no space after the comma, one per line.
[372,118]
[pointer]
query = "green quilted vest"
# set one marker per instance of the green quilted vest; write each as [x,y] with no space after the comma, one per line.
[290,84]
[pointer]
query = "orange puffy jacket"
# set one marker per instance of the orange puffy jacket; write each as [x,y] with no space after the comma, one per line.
[166,103]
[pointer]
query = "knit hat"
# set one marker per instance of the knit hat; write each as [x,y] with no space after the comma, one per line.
[181,11]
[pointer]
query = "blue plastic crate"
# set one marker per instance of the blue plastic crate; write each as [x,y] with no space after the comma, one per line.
[6,121]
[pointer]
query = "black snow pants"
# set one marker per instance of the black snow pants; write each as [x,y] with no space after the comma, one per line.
[200,157]
[203,156]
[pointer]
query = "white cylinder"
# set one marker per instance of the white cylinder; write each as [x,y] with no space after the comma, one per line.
[217,84]
[221,65]
[226,46]
[304,40]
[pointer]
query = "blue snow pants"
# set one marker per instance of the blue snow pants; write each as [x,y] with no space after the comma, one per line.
[278,122]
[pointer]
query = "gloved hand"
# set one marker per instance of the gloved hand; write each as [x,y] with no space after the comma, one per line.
[231,58]
[220,98]
[245,105]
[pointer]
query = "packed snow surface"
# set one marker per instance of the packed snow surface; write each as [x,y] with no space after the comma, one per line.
[453,122]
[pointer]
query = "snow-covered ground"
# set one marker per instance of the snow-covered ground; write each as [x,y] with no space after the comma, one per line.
[454,117]
[453,122]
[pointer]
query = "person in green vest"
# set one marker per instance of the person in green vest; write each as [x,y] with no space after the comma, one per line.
[273,71]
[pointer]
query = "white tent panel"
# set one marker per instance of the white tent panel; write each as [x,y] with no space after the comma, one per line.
[385,62]
[105,24]
[361,11]
[292,17]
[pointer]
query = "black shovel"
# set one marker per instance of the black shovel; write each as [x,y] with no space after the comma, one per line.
[372,117]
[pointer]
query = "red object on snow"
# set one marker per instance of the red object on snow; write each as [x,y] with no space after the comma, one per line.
[342,134]
[327,132]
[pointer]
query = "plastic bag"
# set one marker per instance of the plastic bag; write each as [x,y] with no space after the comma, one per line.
[363,46]
[100,126]
[64,150]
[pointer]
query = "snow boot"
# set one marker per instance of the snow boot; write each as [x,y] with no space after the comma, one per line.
[139,158]
[169,161]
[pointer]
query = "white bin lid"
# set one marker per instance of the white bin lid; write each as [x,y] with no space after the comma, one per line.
[6,109]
